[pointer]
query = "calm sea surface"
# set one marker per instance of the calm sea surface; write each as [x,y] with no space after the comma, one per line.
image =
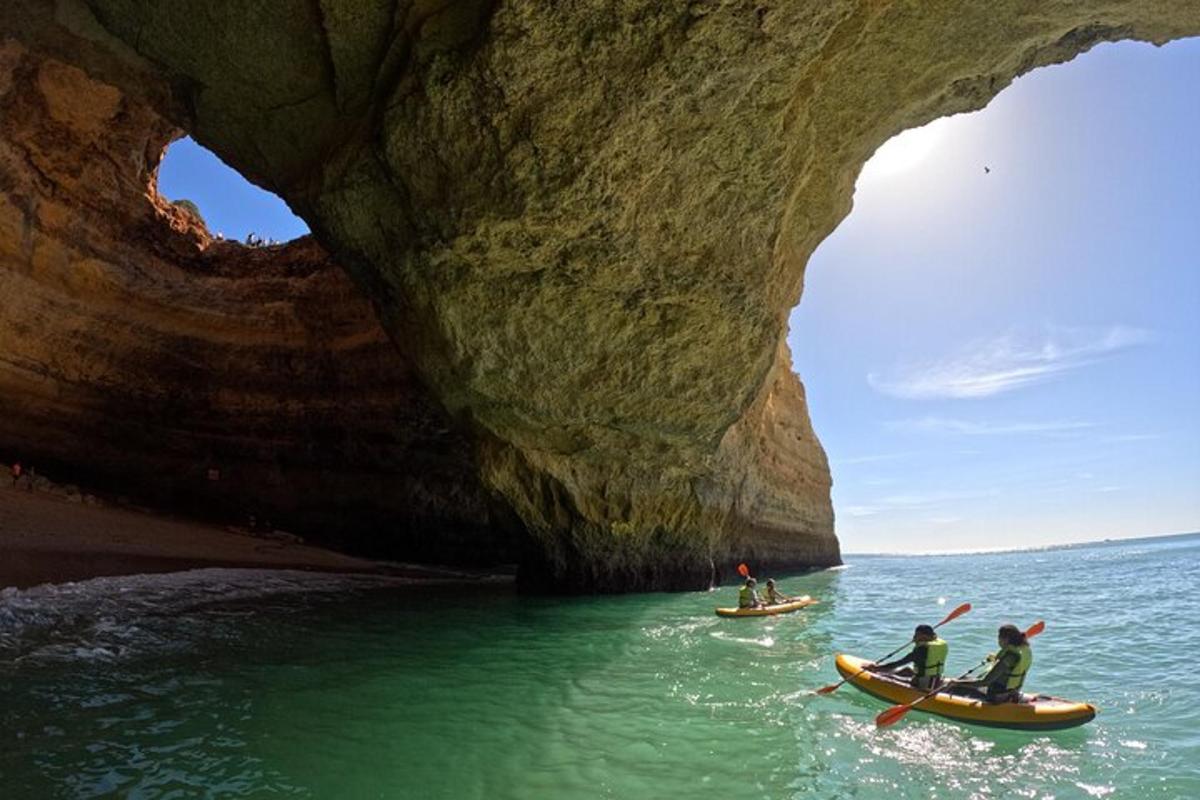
[274,684]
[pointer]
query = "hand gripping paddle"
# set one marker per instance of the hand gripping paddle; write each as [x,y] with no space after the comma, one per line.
[956,613]
[896,713]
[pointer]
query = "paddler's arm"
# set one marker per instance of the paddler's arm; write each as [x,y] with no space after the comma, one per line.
[911,658]
[997,674]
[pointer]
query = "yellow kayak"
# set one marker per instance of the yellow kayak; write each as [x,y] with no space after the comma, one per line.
[768,611]
[1033,713]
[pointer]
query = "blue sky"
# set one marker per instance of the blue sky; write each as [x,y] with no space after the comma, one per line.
[229,203]
[992,359]
[1012,358]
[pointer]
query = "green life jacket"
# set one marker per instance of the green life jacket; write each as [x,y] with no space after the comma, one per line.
[746,597]
[935,659]
[1016,677]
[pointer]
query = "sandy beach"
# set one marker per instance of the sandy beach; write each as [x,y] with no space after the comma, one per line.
[45,538]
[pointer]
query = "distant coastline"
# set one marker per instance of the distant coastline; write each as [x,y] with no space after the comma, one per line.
[1114,542]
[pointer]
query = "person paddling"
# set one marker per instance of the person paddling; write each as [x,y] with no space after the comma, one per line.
[928,659]
[1004,680]
[772,596]
[748,595]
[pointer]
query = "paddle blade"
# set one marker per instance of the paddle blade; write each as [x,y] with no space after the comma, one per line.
[956,613]
[743,570]
[830,689]
[891,716]
[1035,629]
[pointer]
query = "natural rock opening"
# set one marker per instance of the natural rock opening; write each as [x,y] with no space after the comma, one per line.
[146,360]
[232,209]
[584,227]
[1003,296]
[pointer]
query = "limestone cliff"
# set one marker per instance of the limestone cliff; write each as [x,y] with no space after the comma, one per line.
[139,354]
[585,223]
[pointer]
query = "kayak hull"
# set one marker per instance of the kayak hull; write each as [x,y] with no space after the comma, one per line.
[1033,713]
[769,611]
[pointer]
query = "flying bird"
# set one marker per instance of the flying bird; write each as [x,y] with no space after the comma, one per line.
[987,170]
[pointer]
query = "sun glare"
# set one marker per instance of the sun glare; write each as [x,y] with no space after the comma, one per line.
[905,150]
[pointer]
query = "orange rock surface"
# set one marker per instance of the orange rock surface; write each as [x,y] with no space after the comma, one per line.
[142,358]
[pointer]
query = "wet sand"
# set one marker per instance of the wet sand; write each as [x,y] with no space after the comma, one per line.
[48,539]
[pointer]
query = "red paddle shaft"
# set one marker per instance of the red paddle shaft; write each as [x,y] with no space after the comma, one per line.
[958,612]
[894,714]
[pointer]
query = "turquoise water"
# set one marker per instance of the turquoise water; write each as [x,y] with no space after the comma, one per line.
[265,684]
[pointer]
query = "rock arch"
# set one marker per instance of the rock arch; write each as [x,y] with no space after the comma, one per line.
[142,359]
[585,225]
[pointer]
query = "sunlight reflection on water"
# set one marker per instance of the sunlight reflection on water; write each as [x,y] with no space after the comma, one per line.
[325,686]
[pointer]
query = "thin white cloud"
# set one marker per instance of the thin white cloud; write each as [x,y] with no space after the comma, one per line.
[988,367]
[925,499]
[877,481]
[860,511]
[1132,437]
[871,459]
[971,428]
[915,502]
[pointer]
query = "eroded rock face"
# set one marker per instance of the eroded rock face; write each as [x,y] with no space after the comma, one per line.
[138,353]
[585,224]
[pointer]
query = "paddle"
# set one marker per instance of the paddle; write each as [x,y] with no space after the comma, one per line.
[744,571]
[958,612]
[896,713]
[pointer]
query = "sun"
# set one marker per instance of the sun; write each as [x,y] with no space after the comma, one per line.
[905,150]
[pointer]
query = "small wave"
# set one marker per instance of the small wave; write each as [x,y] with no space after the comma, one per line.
[107,618]
[765,641]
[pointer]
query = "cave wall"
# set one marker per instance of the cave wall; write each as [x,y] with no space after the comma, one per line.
[585,223]
[138,353]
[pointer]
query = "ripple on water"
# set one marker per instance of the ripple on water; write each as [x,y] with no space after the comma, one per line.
[241,684]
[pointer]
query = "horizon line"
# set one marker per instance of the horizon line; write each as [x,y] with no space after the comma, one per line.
[991,550]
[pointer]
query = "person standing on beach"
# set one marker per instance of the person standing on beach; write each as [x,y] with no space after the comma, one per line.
[16,473]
